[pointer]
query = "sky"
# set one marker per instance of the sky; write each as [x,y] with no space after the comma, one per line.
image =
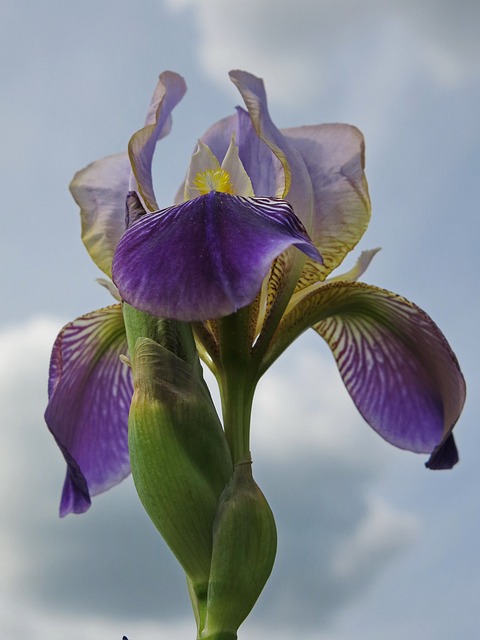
[371,544]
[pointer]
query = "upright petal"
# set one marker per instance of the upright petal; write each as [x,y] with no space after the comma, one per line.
[395,362]
[100,190]
[89,391]
[205,258]
[334,155]
[294,180]
[170,90]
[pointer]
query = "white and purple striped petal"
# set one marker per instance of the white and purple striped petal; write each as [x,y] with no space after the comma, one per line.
[396,364]
[89,392]
[206,257]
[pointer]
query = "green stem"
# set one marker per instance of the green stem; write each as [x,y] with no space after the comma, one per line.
[237,398]
[238,379]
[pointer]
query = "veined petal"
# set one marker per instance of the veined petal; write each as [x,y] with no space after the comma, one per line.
[89,392]
[395,362]
[100,190]
[206,257]
[334,155]
[170,90]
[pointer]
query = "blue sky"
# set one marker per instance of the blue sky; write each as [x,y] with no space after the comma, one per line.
[371,545]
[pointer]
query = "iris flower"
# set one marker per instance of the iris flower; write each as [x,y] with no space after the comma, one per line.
[246,255]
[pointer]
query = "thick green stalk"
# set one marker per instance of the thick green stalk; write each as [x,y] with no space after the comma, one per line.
[179,454]
[237,381]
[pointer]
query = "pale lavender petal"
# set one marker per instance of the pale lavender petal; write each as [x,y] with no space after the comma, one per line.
[170,90]
[334,157]
[100,190]
[207,257]
[89,391]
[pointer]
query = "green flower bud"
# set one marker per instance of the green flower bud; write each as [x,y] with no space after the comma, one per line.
[179,456]
[244,547]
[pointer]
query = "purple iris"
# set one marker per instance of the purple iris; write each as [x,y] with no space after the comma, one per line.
[263,218]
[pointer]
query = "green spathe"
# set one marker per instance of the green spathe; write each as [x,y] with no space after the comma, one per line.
[179,455]
[244,548]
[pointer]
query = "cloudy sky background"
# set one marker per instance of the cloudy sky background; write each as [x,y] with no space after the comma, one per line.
[371,544]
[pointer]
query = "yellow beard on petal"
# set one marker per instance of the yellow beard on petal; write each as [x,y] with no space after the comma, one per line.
[213,180]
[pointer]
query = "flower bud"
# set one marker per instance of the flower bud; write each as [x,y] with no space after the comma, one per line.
[244,547]
[179,455]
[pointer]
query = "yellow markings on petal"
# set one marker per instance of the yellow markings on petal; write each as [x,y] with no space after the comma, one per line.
[205,173]
[213,180]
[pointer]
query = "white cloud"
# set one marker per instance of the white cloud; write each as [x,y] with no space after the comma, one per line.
[301,48]
[379,537]
[31,623]
[302,408]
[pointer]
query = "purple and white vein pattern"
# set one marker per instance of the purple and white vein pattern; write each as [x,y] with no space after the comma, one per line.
[90,391]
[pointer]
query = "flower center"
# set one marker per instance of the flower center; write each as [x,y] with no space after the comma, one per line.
[213,180]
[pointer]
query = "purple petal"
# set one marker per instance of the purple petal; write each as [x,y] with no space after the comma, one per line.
[89,392]
[207,257]
[396,364]
[334,157]
[294,180]
[445,456]
[100,190]
[170,90]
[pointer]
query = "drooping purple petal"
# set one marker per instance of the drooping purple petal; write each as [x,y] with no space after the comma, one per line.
[170,90]
[206,257]
[100,190]
[89,392]
[395,362]
[334,157]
